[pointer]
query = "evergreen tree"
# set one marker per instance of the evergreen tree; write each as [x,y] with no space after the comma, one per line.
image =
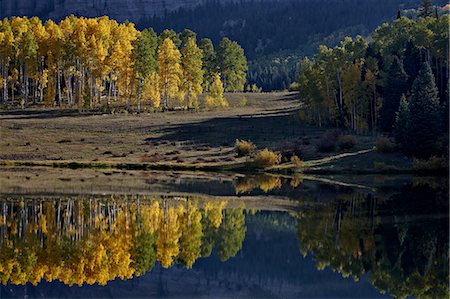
[402,123]
[192,72]
[185,35]
[426,9]
[169,33]
[233,65]
[425,115]
[209,62]
[144,58]
[395,84]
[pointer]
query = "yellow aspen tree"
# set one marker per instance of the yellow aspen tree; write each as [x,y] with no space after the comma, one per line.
[6,55]
[150,90]
[169,70]
[215,97]
[192,81]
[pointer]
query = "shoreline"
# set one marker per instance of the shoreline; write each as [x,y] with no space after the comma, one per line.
[243,167]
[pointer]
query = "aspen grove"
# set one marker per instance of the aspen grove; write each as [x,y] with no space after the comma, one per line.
[96,62]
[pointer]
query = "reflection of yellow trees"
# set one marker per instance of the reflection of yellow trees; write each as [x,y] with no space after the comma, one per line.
[264,182]
[95,240]
[191,237]
[168,236]
[213,211]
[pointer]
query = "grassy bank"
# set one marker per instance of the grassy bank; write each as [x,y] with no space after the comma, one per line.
[186,140]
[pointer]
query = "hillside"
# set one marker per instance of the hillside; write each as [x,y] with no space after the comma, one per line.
[120,10]
[274,36]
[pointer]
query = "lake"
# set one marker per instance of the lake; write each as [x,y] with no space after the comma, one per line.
[116,234]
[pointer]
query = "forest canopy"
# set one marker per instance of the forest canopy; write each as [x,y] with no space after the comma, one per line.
[359,84]
[86,63]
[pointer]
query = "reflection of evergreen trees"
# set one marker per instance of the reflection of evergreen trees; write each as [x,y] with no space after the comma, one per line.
[400,239]
[96,240]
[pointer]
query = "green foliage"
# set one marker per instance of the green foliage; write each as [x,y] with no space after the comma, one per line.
[426,9]
[231,234]
[145,53]
[424,115]
[358,85]
[402,123]
[232,65]
[394,85]
[210,67]
[143,252]
[185,35]
[169,33]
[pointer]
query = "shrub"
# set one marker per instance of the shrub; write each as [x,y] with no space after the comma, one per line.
[384,145]
[327,142]
[296,161]
[432,165]
[267,158]
[244,148]
[289,149]
[243,102]
[347,142]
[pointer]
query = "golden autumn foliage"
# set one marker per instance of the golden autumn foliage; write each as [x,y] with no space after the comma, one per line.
[96,62]
[98,240]
[169,70]
[215,97]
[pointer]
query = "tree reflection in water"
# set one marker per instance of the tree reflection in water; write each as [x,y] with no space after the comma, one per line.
[395,235]
[92,240]
[399,238]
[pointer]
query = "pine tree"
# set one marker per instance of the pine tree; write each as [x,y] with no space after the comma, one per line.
[185,35]
[426,9]
[169,70]
[144,58]
[169,33]
[233,65]
[192,72]
[425,115]
[402,122]
[210,67]
[395,84]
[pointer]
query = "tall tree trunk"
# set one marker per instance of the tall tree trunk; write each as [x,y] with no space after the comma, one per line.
[139,96]
[41,79]
[25,88]
[58,80]
[5,84]
[166,95]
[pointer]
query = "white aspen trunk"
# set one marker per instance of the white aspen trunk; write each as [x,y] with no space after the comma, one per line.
[5,84]
[139,96]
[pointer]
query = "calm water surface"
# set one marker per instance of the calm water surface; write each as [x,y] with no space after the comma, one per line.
[136,234]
